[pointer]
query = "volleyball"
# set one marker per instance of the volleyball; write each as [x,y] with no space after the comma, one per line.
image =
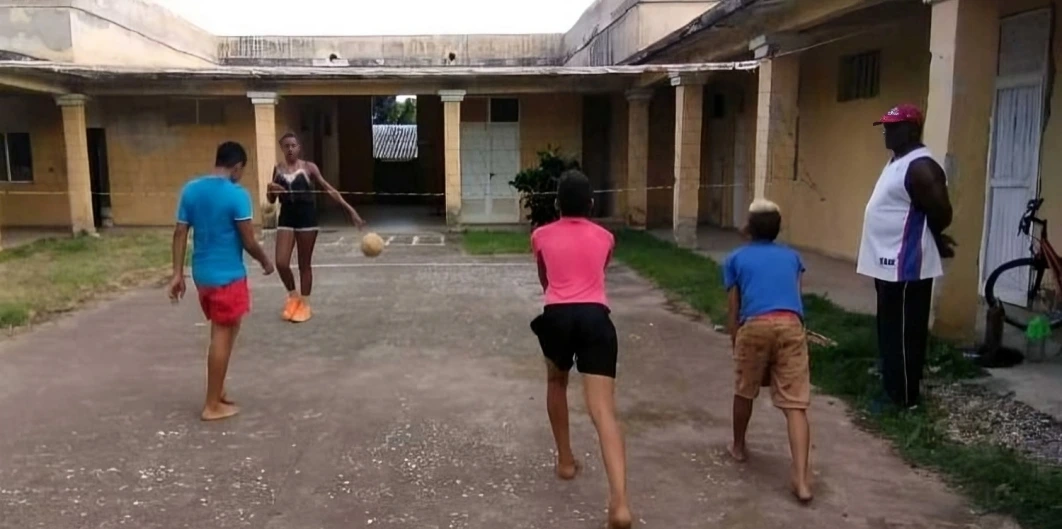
[372,245]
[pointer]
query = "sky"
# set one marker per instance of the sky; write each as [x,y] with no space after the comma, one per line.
[378,17]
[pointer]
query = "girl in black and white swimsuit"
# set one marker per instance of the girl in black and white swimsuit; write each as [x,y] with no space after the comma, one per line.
[295,184]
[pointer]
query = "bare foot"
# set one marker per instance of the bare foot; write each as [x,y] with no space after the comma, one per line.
[619,518]
[738,453]
[567,472]
[221,411]
[802,491]
[226,400]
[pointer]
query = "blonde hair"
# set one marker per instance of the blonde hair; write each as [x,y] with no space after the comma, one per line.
[762,205]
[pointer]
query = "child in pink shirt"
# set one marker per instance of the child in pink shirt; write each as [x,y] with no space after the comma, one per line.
[575,330]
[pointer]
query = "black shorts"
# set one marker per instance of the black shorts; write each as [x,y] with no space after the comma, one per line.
[298,216]
[579,334]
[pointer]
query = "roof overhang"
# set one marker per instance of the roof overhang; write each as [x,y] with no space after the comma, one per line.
[337,80]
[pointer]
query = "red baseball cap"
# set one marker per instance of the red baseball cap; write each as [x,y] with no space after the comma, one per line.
[902,114]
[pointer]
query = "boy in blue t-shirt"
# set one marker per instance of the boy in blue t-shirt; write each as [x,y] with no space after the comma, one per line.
[218,212]
[766,324]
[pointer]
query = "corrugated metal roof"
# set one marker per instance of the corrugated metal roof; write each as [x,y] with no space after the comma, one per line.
[394,143]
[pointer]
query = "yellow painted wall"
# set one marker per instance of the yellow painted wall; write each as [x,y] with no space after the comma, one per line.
[47,205]
[747,115]
[661,158]
[618,141]
[840,154]
[550,120]
[149,160]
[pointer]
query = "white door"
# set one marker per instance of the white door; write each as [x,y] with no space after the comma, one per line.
[475,171]
[1014,159]
[740,204]
[503,201]
[490,159]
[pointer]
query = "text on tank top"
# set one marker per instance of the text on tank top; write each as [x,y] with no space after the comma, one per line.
[897,244]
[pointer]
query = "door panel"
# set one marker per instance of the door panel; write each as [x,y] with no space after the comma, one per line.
[475,170]
[1017,126]
[490,159]
[504,164]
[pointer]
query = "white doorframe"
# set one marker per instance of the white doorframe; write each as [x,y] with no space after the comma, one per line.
[1004,82]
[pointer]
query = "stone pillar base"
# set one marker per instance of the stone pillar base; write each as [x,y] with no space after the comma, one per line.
[685,233]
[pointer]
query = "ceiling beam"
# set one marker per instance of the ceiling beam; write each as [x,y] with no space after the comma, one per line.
[31,85]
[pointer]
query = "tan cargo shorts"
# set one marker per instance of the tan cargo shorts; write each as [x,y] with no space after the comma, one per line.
[774,349]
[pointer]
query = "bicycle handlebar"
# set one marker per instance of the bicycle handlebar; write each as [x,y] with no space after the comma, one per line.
[1029,218]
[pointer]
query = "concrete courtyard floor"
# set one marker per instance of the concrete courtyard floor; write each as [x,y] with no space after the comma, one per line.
[413,399]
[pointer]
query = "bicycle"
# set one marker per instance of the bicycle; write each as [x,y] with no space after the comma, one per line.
[1018,286]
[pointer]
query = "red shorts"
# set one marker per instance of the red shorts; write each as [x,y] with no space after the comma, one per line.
[227,304]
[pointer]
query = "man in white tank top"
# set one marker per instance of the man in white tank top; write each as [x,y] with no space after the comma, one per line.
[902,248]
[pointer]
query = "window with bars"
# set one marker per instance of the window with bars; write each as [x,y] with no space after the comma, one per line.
[859,76]
[16,157]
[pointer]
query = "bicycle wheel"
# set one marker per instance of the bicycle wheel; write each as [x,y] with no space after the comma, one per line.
[1018,286]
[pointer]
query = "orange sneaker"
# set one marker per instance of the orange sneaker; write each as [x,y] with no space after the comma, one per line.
[290,307]
[302,313]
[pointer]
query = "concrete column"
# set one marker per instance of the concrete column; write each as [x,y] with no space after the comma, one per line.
[689,113]
[451,100]
[776,122]
[964,44]
[265,147]
[78,179]
[637,199]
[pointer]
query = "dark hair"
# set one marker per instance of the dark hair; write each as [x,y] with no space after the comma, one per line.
[288,135]
[230,154]
[574,194]
[764,225]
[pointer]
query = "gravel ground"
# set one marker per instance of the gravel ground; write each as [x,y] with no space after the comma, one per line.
[976,414]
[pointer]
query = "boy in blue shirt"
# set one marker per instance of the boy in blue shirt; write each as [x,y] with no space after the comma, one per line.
[218,212]
[766,324]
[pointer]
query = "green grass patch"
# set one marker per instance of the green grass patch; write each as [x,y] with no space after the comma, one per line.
[994,478]
[681,273]
[55,275]
[496,242]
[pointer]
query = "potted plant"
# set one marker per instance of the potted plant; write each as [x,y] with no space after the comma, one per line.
[538,185]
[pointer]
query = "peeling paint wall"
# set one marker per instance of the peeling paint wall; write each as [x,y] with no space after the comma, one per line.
[47,205]
[42,33]
[106,32]
[149,160]
[839,153]
[425,50]
[550,120]
[612,30]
